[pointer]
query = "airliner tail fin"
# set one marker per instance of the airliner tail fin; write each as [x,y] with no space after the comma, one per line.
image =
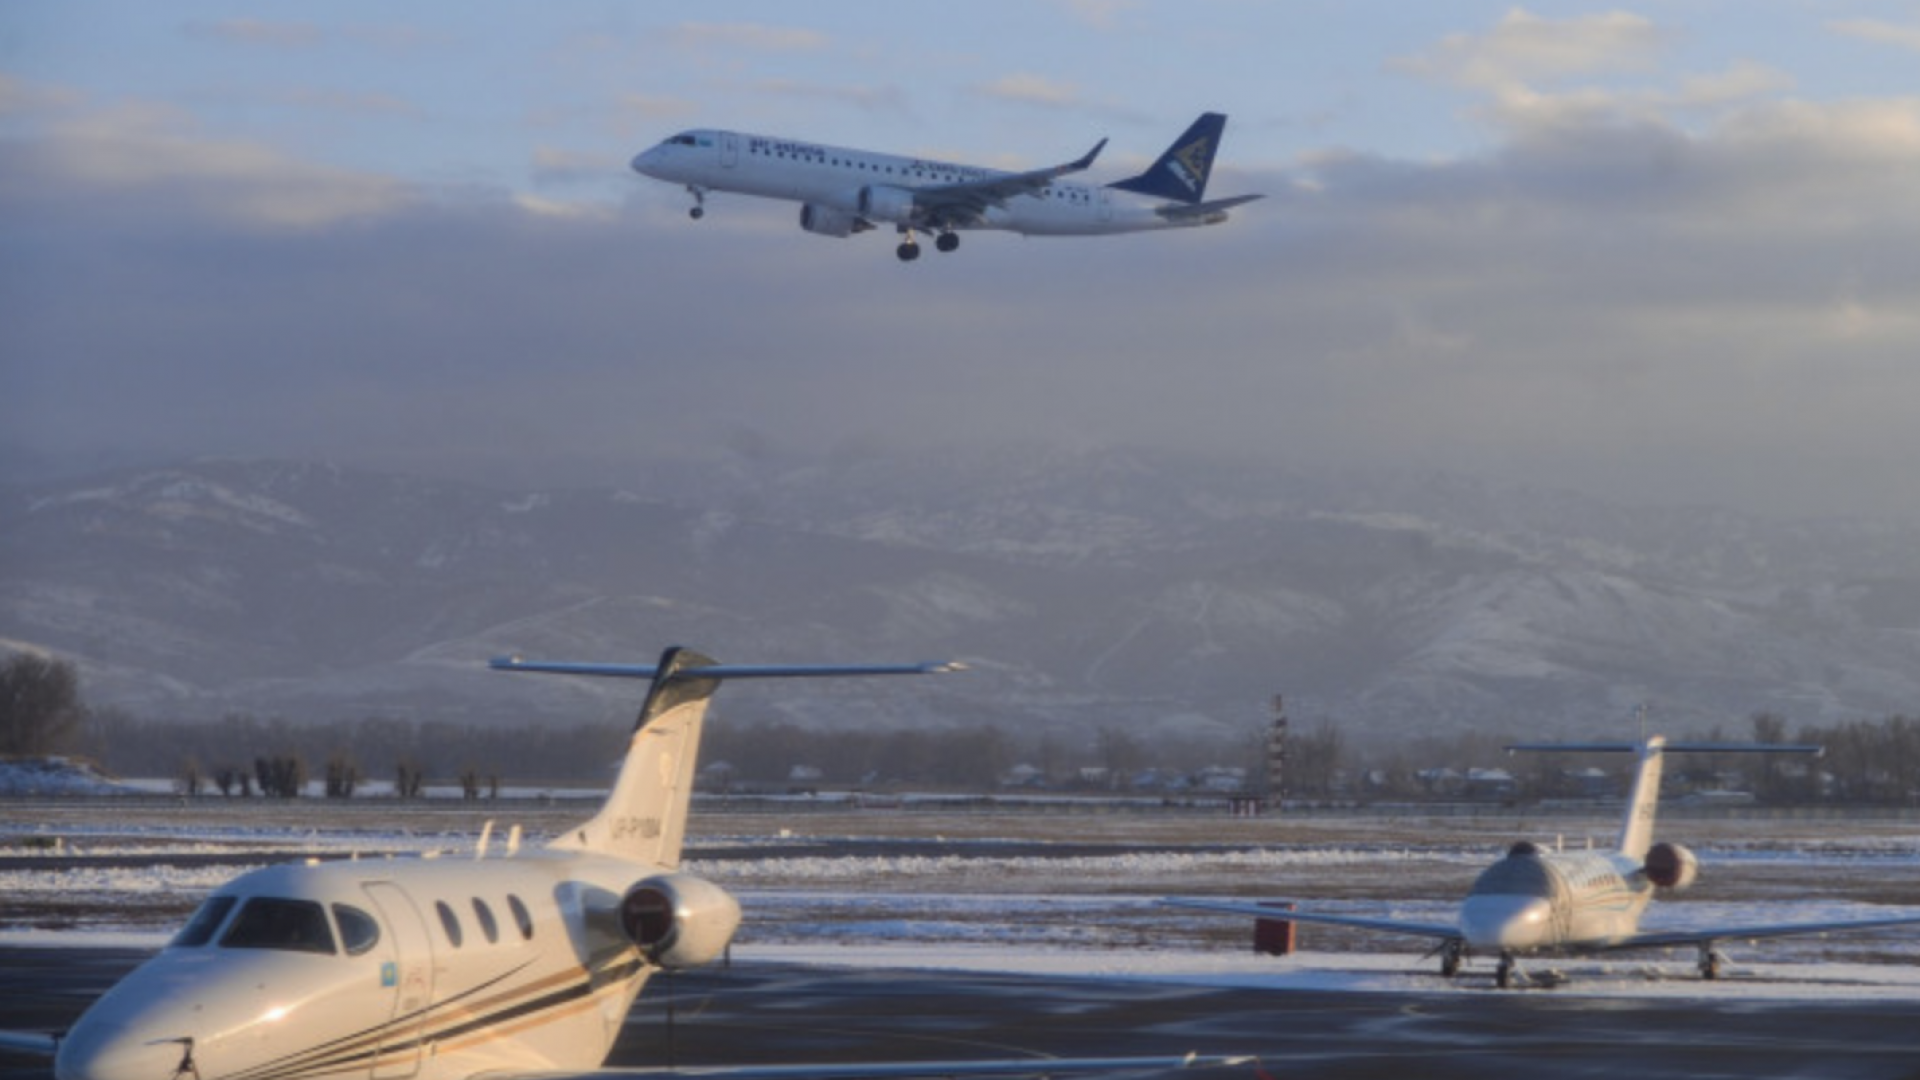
[1182,171]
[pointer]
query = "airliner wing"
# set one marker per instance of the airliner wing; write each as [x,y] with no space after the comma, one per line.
[1704,935]
[897,1070]
[967,200]
[1258,911]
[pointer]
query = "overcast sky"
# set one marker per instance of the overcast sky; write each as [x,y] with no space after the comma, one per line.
[1667,252]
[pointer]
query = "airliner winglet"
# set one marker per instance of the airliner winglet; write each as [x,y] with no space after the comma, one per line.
[842,192]
[1551,902]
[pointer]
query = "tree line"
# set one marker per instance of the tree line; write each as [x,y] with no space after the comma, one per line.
[240,755]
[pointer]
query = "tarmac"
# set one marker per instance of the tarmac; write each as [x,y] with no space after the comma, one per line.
[753,1012]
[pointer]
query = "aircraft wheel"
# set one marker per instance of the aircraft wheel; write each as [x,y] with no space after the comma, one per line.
[1710,965]
[907,252]
[697,213]
[947,241]
[1450,963]
[1503,975]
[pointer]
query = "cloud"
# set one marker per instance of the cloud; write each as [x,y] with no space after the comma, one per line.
[1524,48]
[756,37]
[1029,89]
[883,98]
[145,146]
[1099,14]
[1885,33]
[351,104]
[1646,311]
[279,35]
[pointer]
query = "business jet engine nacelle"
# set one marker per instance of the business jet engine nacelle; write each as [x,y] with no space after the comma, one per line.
[831,221]
[678,920]
[883,203]
[1671,866]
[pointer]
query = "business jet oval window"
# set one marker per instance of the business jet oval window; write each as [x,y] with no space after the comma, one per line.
[200,929]
[521,917]
[448,921]
[487,925]
[287,925]
[359,931]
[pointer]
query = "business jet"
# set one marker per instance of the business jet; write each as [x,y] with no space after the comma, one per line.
[842,192]
[1556,902]
[509,964]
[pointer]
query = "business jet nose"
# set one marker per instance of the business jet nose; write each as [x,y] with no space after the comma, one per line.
[91,1052]
[1500,922]
[646,161]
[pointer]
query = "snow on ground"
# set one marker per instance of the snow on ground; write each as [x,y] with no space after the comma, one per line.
[918,898]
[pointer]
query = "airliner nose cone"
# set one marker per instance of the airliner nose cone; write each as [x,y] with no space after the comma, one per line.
[642,162]
[1502,922]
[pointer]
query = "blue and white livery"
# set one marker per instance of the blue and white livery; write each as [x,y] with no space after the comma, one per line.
[842,192]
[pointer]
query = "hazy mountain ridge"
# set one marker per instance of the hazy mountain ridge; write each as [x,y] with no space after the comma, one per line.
[1088,588]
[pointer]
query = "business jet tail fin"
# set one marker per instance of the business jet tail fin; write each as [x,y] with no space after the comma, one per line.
[1182,171]
[645,816]
[1636,829]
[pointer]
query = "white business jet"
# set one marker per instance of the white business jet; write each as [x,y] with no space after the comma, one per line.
[505,965]
[1534,901]
[842,192]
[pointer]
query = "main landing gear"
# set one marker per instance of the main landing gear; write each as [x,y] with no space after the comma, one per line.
[909,248]
[1503,975]
[1450,956]
[699,202]
[1710,961]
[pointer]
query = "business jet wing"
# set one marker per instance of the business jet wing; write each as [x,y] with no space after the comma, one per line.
[966,200]
[1707,935]
[1259,911]
[897,1070]
[28,1044]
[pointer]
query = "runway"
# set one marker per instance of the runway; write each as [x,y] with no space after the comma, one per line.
[774,1012]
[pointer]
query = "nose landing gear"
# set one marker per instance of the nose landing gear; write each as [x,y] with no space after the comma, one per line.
[699,200]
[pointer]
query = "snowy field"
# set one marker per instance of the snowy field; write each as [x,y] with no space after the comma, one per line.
[1041,890]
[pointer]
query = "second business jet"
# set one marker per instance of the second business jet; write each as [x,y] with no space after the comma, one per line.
[842,192]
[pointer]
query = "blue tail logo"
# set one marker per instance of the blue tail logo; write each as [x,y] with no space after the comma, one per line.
[1182,171]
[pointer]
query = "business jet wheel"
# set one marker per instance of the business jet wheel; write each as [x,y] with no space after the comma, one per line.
[908,251]
[697,213]
[947,241]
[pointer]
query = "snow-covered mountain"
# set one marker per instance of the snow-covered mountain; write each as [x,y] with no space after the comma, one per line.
[1098,589]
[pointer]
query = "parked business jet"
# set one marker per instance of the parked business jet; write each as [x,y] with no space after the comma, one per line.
[842,192]
[1535,901]
[505,965]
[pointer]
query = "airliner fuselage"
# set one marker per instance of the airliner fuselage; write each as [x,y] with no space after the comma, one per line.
[844,191]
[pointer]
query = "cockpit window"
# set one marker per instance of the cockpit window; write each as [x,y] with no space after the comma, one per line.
[200,929]
[288,925]
[358,930]
[681,140]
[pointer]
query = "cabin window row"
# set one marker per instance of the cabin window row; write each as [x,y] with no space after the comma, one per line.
[483,915]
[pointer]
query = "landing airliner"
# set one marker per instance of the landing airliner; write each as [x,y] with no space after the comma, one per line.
[1536,901]
[506,965]
[842,192]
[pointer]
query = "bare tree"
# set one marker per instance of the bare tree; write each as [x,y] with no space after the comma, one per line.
[39,705]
